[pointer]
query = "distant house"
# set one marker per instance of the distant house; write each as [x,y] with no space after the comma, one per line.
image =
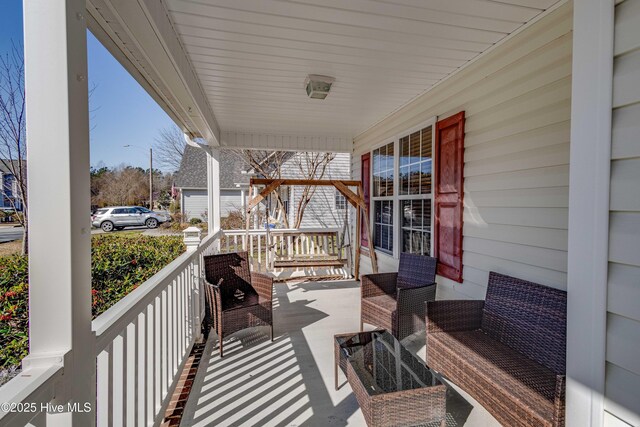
[10,196]
[326,208]
[191,181]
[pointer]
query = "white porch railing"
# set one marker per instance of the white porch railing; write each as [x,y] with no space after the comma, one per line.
[265,247]
[141,344]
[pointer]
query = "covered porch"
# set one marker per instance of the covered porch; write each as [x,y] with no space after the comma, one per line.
[540,171]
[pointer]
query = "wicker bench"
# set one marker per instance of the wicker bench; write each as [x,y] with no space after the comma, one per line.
[508,352]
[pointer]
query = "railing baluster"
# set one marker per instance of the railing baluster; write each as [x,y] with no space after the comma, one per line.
[131,353]
[118,378]
[157,355]
[104,389]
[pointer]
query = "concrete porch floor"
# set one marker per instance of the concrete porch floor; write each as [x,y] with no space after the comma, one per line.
[289,382]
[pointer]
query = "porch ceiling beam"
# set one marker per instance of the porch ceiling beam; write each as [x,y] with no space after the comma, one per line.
[140,35]
[274,141]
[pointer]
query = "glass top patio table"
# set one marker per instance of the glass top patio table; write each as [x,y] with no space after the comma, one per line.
[383,364]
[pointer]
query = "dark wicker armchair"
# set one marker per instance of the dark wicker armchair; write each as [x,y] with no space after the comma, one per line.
[396,301]
[236,298]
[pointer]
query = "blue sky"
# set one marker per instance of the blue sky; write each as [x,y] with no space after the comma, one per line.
[123,113]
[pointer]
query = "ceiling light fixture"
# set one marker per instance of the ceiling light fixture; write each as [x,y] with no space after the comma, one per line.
[318,87]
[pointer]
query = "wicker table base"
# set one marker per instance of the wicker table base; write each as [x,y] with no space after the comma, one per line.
[392,386]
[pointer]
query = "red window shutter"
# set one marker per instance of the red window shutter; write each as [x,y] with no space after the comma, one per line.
[365,176]
[449,193]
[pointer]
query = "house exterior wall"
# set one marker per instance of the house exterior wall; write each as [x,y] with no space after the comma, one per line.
[194,202]
[517,104]
[622,373]
[321,210]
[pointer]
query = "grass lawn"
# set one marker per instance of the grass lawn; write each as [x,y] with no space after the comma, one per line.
[10,248]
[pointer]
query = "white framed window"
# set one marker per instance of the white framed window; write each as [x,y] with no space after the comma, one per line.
[383,181]
[340,201]
[415,176]
[401,190]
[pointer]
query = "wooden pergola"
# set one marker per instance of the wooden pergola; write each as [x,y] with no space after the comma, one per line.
[355,199]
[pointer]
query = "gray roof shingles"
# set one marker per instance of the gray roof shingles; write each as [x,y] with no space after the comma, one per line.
[193,169]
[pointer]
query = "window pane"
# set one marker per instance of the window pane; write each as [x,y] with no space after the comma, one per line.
[414,147]
[416,242]
[406,213]
[426,215]
[425,177]
[406,241]
[404,151]
[383,227]
[404,180]
[390,175]
[414,179]
[416,214]
[416,226]
[426,143]
[426,243]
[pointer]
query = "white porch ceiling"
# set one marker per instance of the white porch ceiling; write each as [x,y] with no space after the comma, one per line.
[252,56]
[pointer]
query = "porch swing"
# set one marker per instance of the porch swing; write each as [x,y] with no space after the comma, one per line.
[292,250]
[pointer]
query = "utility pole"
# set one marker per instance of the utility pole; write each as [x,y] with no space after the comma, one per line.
[150,178]
[150,172]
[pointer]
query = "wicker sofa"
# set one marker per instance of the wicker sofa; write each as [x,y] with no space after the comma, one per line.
[508,352]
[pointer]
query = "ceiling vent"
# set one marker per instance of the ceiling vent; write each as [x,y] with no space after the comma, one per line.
[318,87]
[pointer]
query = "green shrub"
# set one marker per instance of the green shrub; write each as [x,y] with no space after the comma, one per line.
[119,264]
[195,221]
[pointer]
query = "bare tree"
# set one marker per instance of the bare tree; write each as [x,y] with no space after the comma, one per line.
[311,166]
[270,165]
[124,185]
[13,150]
[169,148]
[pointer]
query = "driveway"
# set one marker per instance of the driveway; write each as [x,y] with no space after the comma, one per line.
[9,233]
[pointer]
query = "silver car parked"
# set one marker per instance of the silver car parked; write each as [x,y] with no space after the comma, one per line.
[119,217]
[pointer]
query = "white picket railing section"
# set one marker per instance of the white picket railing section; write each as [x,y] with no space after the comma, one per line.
[143,341]
[141,345]
[265,248]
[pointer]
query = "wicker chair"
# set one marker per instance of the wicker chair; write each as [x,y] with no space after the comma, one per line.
[508,352]
[396,301]
[236,298]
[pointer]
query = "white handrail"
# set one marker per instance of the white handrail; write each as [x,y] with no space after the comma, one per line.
[110,323]
[28,394]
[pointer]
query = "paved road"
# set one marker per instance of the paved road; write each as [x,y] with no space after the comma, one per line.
[10,233]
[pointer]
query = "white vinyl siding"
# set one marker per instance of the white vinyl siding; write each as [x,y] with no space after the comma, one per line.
[517,104]
[321,210]
[622,383]
[194,203]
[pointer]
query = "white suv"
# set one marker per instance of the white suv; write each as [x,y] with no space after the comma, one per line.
[119,217]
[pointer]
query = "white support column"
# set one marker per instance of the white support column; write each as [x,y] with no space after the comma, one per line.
[59,201]
[589,211]
[213,189]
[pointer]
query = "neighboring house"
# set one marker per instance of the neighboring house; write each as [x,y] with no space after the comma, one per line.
[191,181]
[326,208]
[10,198]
